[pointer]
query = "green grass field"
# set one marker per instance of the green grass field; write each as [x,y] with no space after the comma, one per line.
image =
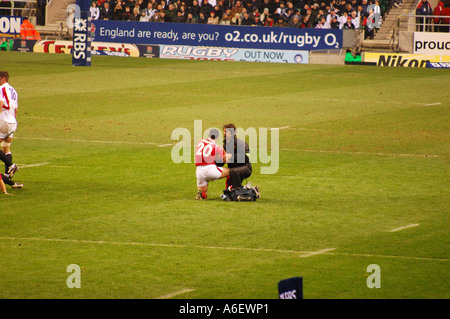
[364,151]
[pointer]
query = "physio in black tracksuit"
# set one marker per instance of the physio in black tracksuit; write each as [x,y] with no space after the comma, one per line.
[239,163]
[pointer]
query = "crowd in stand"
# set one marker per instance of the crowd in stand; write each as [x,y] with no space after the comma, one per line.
[331,14]
[326,14]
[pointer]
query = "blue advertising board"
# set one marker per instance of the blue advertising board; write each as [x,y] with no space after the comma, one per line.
[10,25]
[216,35]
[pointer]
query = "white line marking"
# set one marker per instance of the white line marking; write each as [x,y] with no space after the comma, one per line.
[32,165]
[431,104]
[92,141]
[327,251]
[176,293]
[82,241]
[364,153]
[403,227]
[390,256]
[319,252]
[279,128]
[42,118]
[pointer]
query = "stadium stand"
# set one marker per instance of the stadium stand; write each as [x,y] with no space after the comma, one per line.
[394,16]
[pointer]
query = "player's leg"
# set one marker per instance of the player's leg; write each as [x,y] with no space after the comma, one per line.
[3,188]
[239,174]
[206,174]
[8,181]
[202,192]
[202,183]
[225,172]
[10,168]
[6,135]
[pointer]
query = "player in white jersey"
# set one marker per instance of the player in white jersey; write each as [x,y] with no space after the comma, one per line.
[8,120]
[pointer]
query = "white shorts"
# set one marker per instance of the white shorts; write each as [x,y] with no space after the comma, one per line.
[207,173]
[7,129]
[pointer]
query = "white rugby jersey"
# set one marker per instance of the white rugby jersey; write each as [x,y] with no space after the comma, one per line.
[8,96]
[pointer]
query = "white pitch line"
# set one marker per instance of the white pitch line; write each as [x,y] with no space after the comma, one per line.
[92,141]
[279,128]
[431,104]
[176,293]
[403,227]
[319,252]
[82,241]
[31,165]
[327,251]
[390,256]
[364,153]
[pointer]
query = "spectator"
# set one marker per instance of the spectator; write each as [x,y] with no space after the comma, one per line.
[332,15]
[157,17]
[218,11]
[288,14]
[438,11]
[206,8]
[280,22]
[246,20]
[364,6]
[348,25]
[269,22]
[294,23]
[191,19]
[171,13]
[106,13]
[319,17]
[257,21]
[264,15]
[446,21]
[281,9]
[305,23]
[163,5]
[236,11]
[118,11]
[334,23]
[202,19]
[225,19]
[356,20]
[95,11]
[149,11]
[126,15]
[323,24]
[194,9]
[369,23]
[360,13]
[424,9]
[342,19]
[213,19]
[135,16]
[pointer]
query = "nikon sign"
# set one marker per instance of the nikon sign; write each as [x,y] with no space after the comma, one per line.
[403,60]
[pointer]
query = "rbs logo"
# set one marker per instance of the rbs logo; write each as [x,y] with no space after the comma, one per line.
[289,295]
[79,39]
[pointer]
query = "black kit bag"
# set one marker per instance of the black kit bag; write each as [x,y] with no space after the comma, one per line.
[242,194]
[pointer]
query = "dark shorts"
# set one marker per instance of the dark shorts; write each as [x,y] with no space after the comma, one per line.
[239,174]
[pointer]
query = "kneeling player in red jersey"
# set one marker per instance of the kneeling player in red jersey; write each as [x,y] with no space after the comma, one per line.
[207,153]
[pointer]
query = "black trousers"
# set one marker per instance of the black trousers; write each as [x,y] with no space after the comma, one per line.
[238,175]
